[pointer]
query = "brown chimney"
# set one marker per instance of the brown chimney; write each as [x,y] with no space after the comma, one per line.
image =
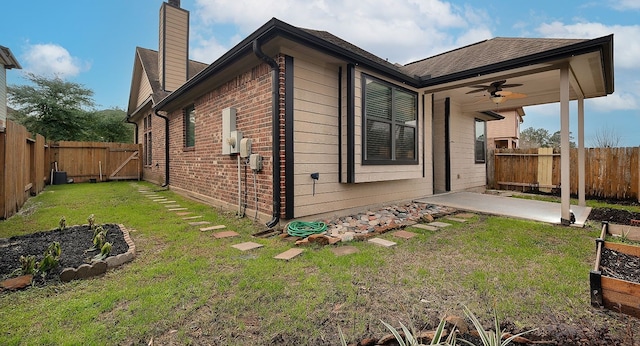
[173,50]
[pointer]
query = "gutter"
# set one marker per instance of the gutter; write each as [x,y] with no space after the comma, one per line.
[275,123]
[135,136]
[166,147]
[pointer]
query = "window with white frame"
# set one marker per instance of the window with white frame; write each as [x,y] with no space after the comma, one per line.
[390,123]
[190,127]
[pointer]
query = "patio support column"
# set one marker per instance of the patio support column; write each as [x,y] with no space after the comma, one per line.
[581,170]
[565,174]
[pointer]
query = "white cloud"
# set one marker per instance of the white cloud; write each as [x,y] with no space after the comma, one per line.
[618,101]
[52,59]
[625,38]
[626,5]
[399,30]
[207,50]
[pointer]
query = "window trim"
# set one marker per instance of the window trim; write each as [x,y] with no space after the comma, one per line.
[147,138]
[186,113]
[476,141]
[392,121]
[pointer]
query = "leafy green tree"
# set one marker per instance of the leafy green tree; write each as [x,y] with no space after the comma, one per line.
[554,140]
[109,126]
[52,107]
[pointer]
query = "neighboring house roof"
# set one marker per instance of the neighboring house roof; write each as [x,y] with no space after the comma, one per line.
[7,59]
[483,58]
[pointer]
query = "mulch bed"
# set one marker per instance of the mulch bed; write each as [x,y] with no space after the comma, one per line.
[74,242]
[620,266]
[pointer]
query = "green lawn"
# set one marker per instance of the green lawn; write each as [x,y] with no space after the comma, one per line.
[186,287]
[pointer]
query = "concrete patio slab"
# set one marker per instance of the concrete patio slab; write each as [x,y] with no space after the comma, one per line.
[247,246]
[289,254]
[520,208]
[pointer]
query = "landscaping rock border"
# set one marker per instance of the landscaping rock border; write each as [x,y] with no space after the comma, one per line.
[97,268]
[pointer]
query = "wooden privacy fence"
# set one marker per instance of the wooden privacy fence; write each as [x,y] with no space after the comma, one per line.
[96,161]
[26,164]
[612,173]
[22,167]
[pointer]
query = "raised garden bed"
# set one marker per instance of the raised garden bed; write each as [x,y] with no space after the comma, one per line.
[615,279]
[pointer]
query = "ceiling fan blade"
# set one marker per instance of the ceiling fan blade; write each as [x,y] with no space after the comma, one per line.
[503,93]
[475,91]
[511,85]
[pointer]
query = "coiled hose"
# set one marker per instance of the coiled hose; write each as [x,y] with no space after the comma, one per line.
[304,229]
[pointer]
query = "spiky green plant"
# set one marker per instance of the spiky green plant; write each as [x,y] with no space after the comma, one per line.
[490,337]
[62,224]
[51,258]
[92,221]
[99,238]
[410,340]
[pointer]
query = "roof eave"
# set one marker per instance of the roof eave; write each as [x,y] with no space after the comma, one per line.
[9,59]
[602,44]
[270,30]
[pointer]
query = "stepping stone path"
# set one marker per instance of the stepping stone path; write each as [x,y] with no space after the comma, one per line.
[289,254]
[167,202]
[382,242]
[465,215]
[192,217]
[404,234]
[425,227]
[344,250]
[247,246]
[226,234]
[183,213]
[457,219]
[439,224]
[177,209]
[199,223]
[212,228]
[172,206]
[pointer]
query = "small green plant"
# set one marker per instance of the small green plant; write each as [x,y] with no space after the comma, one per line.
[104,252]
[99,238]
[92,221]
[51,258]
[27,264]
[62,224]
[343,341]
[490,337]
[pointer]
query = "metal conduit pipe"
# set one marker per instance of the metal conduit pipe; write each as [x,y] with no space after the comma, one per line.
[275,121]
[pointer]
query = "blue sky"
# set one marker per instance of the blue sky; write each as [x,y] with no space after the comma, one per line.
[93,42]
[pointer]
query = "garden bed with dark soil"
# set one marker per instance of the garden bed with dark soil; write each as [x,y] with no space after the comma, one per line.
[74,243]
[618,216]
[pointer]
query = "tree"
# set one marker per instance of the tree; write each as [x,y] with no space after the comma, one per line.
[605,137]
[52,107]
[109,126]
[541,138]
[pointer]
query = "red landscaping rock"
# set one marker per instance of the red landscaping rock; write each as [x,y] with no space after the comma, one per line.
[16,283]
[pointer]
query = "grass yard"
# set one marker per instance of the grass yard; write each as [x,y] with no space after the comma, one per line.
[187,287]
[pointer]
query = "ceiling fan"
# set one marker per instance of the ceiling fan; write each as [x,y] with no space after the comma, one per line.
[496,94]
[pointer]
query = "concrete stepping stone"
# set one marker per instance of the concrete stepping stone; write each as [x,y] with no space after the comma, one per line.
[199,223]
[226,234]
[183,213]
[457,219]
[466,215]
[439,224]
[382,242]
[177,209]
[159,200]
[212,228]
[404,234]
[344,250]
[172,206]
[247,246]
[192,217]
[289,254]
[425,227]
[167,202]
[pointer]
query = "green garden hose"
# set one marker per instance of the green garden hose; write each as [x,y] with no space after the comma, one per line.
[305,229]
